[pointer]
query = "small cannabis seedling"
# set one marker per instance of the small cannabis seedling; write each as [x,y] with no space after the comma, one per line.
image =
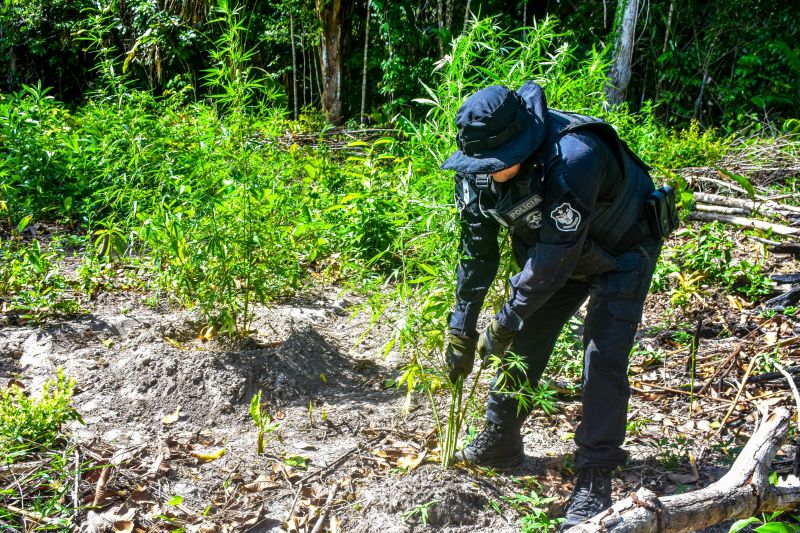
[263,422]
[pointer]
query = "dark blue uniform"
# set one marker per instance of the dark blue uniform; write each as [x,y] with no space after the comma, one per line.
[562,264]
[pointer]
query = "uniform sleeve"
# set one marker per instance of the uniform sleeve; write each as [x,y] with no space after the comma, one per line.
[571,190]
[480,258]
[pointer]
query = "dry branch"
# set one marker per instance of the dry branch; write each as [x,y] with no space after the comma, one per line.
[743,492]
[710,208]
[765,207]
[778,229]
[778,247]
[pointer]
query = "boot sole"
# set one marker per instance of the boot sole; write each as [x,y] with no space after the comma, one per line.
[505,463]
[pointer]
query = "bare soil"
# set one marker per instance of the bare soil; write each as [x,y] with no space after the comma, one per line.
[160,402]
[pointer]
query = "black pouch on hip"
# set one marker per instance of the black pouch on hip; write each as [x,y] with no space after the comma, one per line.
[662,212]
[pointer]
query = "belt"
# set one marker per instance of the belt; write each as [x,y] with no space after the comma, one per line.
[639,231]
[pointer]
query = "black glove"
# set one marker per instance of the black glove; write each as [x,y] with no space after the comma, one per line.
[494,341]
[460,356]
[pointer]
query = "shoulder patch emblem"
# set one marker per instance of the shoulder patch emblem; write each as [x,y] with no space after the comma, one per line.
[566,217]
[534,219]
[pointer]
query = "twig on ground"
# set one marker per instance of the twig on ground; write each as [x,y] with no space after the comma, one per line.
[792,384]
[675,391]
[738,393]
[291,507]
[340,459]
[323,513]
[770,376]
[76,486]
[722,369]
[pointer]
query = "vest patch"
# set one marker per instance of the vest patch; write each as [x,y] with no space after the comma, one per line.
[566,217]
[534,219]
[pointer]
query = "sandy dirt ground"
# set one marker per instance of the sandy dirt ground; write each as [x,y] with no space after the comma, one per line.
[168,411]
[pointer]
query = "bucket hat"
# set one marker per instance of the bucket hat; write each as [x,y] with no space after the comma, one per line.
[498,128]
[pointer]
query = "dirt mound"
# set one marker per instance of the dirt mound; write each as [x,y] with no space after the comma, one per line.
[429,496]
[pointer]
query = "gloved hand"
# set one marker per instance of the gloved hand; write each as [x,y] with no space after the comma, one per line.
[494,341]
[460,356]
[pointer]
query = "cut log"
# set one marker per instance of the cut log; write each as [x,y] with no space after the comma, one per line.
[724,210]
[743,492]
[765,207]
[778,229]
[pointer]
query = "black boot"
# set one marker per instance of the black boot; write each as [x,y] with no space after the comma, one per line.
[592,494]
[496,446]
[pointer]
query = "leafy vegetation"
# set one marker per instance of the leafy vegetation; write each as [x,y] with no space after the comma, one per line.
[28,424]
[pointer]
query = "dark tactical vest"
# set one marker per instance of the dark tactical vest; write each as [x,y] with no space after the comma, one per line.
[620,210]
[619,221]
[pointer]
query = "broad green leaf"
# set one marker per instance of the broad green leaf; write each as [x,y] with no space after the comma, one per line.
[741,524]
[777,527]
[175,500]
[741,180]
[24,223]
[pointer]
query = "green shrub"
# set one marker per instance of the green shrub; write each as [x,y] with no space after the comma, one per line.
[692,148]
[28,423]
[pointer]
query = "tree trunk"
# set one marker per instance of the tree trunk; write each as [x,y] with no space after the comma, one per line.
[440,25]
[303,75]
[448,19]
[294,63]
[331,18]
[624,34]
[466,17]
[364,73]
[743,492]
[669,24]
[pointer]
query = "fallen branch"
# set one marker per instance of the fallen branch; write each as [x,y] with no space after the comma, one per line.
[778,229]
[765,207]
[769,376]
[743,492]
[786,278]
[323,514]
[721,209]
[782,301]
[778,247]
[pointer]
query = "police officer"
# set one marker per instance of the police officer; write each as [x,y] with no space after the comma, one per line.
[572,196]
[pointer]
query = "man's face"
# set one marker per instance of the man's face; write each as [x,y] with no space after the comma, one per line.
[506,174]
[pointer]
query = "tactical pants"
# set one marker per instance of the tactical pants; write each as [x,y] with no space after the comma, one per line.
[616,300]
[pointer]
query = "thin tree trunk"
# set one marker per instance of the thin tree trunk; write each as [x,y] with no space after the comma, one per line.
[294,63]
[698,103]
[364,74]
[448,25]
[318,76]
[330,13]
[440,24]
[624,33]
[466,16]
[303,73]
[669,23]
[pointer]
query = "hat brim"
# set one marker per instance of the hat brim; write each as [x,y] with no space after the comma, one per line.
[506,155]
